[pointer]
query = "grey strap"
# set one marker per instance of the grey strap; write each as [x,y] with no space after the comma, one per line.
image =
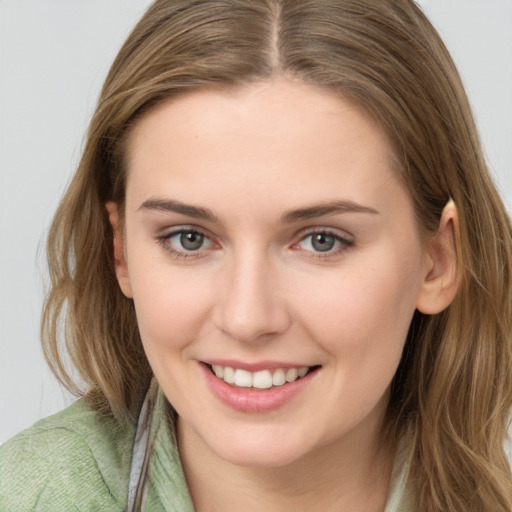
[141,453]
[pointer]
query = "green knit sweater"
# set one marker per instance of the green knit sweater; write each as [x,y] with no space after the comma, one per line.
[79,460]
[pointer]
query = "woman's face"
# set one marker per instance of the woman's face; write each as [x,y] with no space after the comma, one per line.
[267,235]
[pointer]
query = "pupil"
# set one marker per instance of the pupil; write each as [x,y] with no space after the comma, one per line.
[322,242]
[191,241]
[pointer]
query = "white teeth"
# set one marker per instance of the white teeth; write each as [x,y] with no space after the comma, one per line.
[292,374]
[219,371]
[263,379]
[279,377]
[303,371]
[243,379]
[229,375]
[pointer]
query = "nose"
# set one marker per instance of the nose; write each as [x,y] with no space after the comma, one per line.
[251,306]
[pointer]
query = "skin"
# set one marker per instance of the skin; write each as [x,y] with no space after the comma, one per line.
[259,290]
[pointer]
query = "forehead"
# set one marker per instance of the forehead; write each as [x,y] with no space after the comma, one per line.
[290,107]
[258,141]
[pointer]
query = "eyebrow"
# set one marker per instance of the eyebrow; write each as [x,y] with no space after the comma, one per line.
[289,217]
[330,208]
[170,205]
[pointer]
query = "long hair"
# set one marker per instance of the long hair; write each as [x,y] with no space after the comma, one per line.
[453,389]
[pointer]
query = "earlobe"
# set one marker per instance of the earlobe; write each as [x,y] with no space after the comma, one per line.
[441,279]
[118,247]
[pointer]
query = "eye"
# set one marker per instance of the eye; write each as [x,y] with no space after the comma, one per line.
[189,240]
[324,242]
[186,243]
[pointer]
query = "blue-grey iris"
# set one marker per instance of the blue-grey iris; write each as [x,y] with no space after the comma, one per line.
[322,242]
[191,241]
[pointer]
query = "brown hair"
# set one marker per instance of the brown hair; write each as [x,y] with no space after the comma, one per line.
[453,389]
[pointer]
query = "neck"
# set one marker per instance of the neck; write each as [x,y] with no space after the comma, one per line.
[350,474]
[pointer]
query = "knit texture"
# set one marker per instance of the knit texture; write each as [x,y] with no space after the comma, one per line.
[79,460]
[74,460]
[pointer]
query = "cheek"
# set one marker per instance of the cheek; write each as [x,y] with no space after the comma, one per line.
[171,310]
[171,305]
[363,307]
[360,317]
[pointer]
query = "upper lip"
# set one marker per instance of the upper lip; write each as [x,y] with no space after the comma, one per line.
[255,366]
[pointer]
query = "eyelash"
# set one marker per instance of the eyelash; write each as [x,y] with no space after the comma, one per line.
[164,242]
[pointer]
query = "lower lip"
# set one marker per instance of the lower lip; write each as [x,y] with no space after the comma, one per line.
[251,400]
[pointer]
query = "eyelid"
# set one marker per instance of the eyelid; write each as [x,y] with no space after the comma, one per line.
[184,228]
[337,232]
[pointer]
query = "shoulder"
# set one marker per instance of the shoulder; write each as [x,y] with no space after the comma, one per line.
[77,459]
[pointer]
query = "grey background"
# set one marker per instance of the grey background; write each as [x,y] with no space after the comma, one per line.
[54,55]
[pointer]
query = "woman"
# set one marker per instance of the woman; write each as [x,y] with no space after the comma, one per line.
[283,272]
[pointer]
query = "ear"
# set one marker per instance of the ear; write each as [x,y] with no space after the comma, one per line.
[118,246]
[441,278]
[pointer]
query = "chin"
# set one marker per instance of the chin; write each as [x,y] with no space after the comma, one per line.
[261,458]
[259,448]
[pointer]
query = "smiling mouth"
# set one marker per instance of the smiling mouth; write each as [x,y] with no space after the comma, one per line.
[263,379]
